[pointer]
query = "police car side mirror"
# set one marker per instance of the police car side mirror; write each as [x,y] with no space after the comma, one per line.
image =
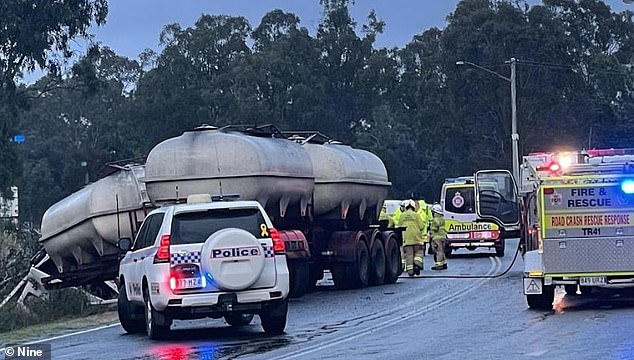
[124,244]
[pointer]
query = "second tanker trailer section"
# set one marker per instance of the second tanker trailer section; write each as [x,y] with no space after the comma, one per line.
[324,196]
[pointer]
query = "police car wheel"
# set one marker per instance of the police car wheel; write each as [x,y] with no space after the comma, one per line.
[153,328]
[239,319]
[126,312]
[274,317]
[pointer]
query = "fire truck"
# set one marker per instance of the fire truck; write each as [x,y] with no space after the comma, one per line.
[577,222]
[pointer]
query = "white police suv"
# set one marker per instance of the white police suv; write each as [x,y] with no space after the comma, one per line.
[203,259]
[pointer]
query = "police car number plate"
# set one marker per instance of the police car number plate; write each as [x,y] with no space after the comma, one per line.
[592,280]
[189,283]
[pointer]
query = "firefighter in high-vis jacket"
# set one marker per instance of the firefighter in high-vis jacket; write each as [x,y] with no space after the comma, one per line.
[397,214]
[425,214]
[413,244]
[438,235]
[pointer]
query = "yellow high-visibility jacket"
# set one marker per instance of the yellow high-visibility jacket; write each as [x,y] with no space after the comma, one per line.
[413,234]
[424,214]
[438,231]
[396,217]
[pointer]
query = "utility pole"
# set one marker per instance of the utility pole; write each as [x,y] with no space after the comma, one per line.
[515,137]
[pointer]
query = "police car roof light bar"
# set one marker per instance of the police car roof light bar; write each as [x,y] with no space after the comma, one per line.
[225,197]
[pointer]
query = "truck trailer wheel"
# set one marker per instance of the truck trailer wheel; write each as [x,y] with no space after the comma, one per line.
[299,278]
[393,267]
[356,274]
[128,318]
[377,263]
[543,301]
[360,268]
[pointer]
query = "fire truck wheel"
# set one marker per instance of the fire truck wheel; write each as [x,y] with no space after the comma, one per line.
[543,301]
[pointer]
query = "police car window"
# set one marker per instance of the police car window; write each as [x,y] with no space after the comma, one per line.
[153,229]
[140,236]
[460,200]
[196,227]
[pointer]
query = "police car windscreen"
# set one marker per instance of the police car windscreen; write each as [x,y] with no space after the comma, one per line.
[196,227]
[460,200]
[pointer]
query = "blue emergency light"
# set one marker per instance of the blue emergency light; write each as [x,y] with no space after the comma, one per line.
[627,186]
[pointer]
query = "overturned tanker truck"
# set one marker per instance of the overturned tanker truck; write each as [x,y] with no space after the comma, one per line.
[323,196]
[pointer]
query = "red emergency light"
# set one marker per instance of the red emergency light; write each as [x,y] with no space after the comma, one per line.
[610,152]
[553,167]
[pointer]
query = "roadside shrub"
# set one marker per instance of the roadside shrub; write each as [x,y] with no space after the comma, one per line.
[58,304]
[17,246]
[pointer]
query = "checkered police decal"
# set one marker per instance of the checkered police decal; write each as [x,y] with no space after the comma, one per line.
[268,251]
[185,258]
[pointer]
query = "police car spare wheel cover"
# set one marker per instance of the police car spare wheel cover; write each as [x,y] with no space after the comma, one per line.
[234,258]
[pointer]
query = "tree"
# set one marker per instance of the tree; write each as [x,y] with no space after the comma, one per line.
[286,71]
[35,33]
[75,129]
[192,81]
[343,56]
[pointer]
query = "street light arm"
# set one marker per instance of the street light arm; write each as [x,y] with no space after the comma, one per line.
[462,62]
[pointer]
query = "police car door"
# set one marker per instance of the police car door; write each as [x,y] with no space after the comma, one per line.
[496,197]
[143,251]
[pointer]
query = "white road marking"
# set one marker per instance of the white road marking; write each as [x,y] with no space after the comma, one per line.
[68,335]
[496,264]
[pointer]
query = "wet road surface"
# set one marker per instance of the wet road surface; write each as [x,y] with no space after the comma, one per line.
[419,318]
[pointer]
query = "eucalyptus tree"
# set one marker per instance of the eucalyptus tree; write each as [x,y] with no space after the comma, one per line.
[35,34]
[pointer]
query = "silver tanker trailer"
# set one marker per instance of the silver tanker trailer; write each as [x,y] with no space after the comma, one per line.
[323,196]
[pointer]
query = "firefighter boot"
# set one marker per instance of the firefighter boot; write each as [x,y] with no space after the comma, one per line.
[439,267]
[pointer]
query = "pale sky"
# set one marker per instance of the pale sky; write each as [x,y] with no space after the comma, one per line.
[134,25]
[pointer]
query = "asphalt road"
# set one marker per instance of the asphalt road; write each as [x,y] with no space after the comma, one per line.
[421,318]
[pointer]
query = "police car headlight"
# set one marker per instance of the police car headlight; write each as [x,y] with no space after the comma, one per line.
[627,186]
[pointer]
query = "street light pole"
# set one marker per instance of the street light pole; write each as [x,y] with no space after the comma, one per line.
[515,137]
